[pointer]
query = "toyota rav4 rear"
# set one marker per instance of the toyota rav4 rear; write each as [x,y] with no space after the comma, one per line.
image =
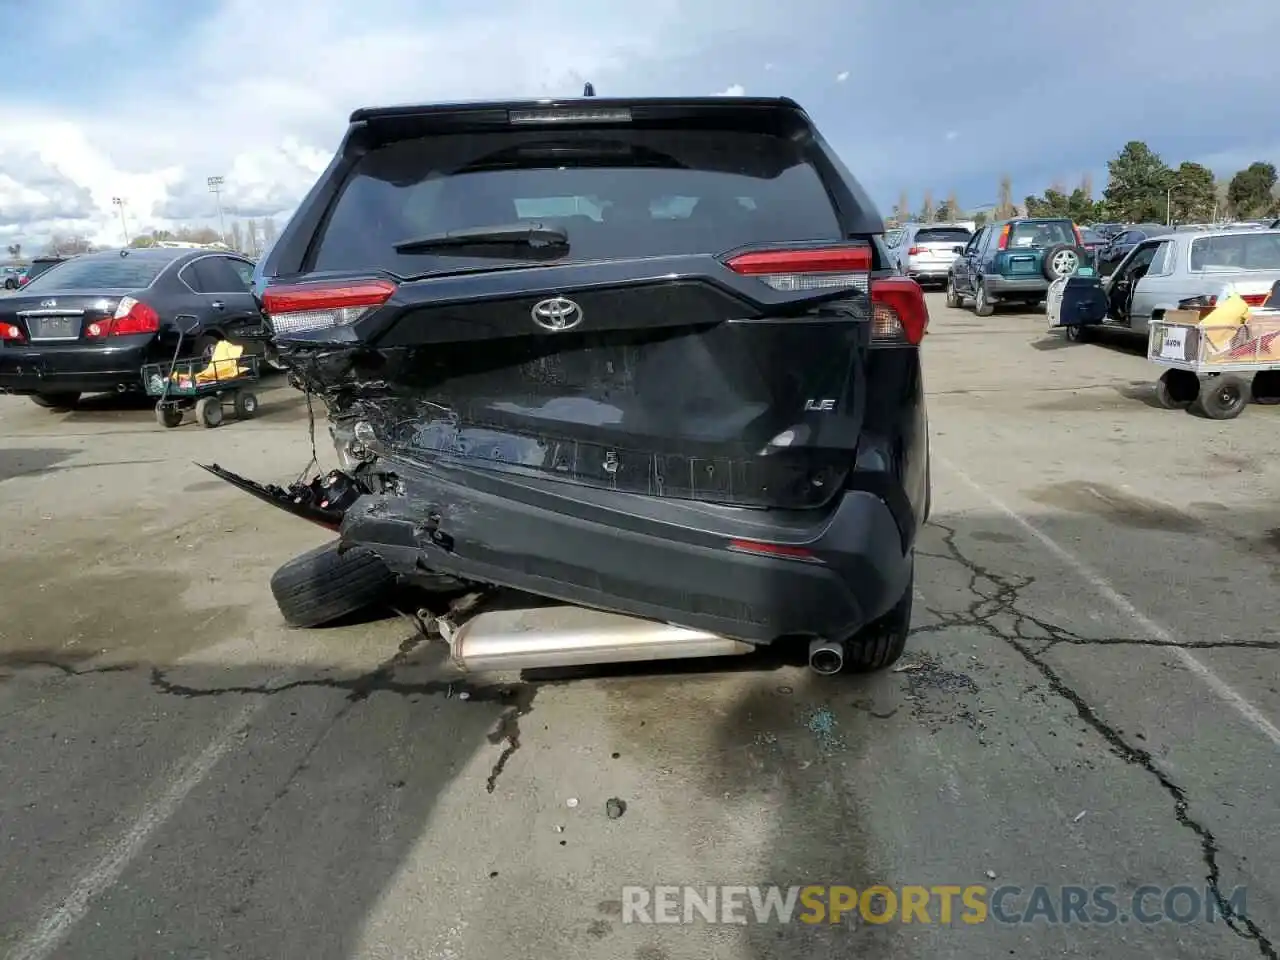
[641,355]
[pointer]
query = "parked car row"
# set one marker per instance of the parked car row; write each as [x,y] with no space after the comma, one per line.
[87,324]
[16,277]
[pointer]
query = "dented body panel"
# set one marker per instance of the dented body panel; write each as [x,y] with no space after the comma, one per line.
[676,398]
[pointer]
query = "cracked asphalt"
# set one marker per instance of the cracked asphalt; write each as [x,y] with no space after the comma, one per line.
[1089,700]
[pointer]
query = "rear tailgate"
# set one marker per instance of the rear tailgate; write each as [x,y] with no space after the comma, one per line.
[702,334]
[937,245]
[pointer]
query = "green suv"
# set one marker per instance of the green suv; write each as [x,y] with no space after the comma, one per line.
[1014,261]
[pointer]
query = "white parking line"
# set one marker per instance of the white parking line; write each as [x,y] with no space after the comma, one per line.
[57,923]
[1104,589]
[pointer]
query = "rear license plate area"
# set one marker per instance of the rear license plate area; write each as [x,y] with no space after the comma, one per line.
[54,328]
[1022,265]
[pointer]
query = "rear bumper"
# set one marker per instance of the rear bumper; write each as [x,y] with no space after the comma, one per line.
[80,368]
[661,559]
[932,271]
[1001,286]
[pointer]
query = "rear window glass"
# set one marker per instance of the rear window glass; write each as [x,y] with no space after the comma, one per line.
[616,192]
[40,266]
[943,235]
[1044,233]
[116,272]
[1248,251]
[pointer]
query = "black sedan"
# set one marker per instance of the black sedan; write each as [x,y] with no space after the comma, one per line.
[88,324]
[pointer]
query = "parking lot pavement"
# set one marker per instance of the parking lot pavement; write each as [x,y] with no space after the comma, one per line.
[1090,700]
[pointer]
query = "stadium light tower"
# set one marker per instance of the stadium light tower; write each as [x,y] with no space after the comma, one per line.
[124,225]
[215,187]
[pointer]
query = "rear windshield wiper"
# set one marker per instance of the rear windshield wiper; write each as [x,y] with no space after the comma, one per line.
[534,235]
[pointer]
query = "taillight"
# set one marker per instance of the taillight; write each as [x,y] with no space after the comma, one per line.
[915,251]
[1079,236]
[131,317]
[299,307]
[899,312]
[806,269]
[10,331]
[1255,299]
[1004,238]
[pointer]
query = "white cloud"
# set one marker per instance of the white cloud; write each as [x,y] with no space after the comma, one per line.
[842,76]
[260,94]
[736,90]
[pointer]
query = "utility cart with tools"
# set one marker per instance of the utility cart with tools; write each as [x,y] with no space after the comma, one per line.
[1218,360]
[203,384]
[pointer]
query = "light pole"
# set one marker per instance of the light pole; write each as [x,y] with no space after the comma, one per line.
[215,187]
[124,225]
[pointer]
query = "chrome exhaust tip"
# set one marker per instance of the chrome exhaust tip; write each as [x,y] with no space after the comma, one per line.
[826,657]
[566,636]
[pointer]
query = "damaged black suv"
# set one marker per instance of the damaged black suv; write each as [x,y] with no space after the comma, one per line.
[646,356]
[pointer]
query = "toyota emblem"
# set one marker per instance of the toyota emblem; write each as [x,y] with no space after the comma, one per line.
[557,314]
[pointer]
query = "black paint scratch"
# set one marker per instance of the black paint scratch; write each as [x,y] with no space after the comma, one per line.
[997,594]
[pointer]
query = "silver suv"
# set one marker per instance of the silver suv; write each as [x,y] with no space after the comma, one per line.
[925,251]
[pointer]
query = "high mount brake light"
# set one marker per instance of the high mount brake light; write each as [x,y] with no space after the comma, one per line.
[303,307]
[570,115]
[899,312]
[795,271]
[131,317]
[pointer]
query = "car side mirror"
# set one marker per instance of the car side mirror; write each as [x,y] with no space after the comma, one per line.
[957,249]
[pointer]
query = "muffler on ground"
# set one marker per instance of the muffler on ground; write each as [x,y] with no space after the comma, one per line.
[567,636]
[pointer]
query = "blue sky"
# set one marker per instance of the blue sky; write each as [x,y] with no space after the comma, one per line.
[150,99]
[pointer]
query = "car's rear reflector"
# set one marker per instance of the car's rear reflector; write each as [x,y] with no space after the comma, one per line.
[899,312]
[810,268]
[570,115]
[302,307]
[783,551]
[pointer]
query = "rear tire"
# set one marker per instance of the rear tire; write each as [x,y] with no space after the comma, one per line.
[1077,333]
[204,345]
[323,585]
[879,645]
[246,405]
[209,411]
[57,402]
[953,297]
[168,416]
[1177,389]
[1266,387]
[982,304]
[1223,397]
